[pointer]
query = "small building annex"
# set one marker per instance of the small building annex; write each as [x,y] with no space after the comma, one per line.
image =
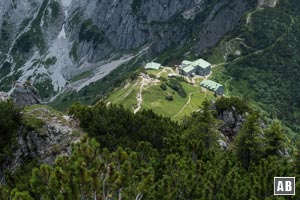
[213,86]
[199,67]
[172,75]
[153,65]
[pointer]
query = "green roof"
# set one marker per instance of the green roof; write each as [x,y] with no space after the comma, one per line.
[211,85]
[188,69]
[152,65]
[202,63]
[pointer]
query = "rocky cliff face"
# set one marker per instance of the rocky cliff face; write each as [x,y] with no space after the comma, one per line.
[22,95]
[54,137]
[68,44]
[25,95]
[232,122]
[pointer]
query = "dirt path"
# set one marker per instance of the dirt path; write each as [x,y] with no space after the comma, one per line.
[206,77]
[249,15]
[158,75]
[194,79]
[146,80]
[171,70]
[165,69]
[254,52]
[268,47]
[130,90]
[187,103]
[139,96]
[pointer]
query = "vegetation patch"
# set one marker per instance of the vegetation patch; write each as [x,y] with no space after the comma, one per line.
[149,153]
[33,37]
[55,9]
[44,86]
[136,5]
[81,76]
[4,34]
[10,120]
[264,73]
[90,33]
[5,69]
[6,83]
[50,61]
[161,98]
[176,86]
[76,18]
[232,103]
[73,52]
[33,123]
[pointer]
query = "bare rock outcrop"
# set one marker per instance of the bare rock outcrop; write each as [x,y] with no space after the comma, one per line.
[4,96]
[232,122]
[54,137]
[25,95]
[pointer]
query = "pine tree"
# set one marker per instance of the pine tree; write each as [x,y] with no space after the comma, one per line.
[203,128]
[248,143]
[10,121]
[17,195]
[274,139]
[4,192]
[40,180]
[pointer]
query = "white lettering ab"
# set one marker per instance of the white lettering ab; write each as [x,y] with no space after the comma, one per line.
[280,187]
[288,186]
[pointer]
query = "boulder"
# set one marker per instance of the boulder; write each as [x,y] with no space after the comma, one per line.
[25,95]
[4,96]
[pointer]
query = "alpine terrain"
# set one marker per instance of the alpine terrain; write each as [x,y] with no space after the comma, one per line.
[66,45]
[149,99]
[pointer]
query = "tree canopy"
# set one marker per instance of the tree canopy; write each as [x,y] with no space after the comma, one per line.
[150,157]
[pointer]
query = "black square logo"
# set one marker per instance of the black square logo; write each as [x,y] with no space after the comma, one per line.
[284,185]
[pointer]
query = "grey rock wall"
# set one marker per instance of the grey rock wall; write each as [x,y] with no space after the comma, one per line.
[161,23]
[223,17]
[84,35]
[25,95]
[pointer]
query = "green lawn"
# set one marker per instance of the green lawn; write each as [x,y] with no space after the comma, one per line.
[155,98]
[152,71]
[197,97]
[125,96]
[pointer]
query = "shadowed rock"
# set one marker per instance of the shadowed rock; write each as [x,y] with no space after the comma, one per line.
[25,95]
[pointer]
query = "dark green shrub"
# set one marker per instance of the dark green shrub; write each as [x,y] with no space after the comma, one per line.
[223,104]
[163,86]
[169,97]
[176,86]
[89,32]
[10,118]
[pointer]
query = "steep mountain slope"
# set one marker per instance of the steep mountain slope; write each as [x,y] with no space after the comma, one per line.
[262,60]
[67,45]
[124,155]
